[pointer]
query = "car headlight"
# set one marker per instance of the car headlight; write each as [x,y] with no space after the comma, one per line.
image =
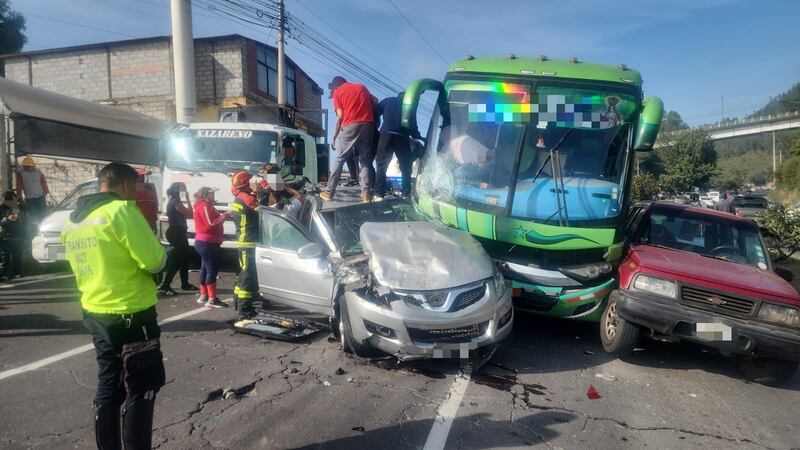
[655,286]
[499,284]
[779,314]
[587,272]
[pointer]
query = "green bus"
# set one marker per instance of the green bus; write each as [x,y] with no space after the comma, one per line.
[534,157]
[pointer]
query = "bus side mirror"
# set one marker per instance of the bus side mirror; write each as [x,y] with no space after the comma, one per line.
[411,100]
[649,124]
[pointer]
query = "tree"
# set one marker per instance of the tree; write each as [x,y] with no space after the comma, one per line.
[689,162]
[672,121]
[12,27]
[644,187]
[781,230]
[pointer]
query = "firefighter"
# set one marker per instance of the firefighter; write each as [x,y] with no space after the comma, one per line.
[113,253]
[244,211]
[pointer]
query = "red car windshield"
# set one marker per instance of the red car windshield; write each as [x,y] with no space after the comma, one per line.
[706,235]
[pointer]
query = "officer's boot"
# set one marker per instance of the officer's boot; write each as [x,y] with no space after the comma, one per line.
[137,422]
[106,426]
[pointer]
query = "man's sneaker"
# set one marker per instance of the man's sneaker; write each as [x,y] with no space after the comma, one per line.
[326,195]
[377,198]
[202,299]
[352,183]
[366,198]
[215,303]
[166,292]
[189,287]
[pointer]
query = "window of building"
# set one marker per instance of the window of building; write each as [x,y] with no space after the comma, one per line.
[267,68]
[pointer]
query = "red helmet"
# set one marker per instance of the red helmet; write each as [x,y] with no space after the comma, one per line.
[241,180]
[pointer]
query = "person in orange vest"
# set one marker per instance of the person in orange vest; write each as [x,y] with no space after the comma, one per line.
[32,186]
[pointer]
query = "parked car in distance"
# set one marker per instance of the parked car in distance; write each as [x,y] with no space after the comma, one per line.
[700,275]
[682,199]
[707,201]
[714,196]
[750,206]
[388,278]
[46,246]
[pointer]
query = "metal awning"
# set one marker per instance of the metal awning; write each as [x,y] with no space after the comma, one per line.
[46,123]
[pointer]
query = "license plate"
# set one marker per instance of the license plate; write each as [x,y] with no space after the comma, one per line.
[714,331]
[453,350]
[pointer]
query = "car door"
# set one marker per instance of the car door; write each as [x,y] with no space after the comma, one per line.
[283,275]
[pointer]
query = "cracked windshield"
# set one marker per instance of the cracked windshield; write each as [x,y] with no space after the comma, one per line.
[412,225]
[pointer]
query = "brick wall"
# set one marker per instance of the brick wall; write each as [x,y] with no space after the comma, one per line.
[17,70]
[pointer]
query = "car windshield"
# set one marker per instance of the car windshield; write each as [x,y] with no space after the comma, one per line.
[71,200]
[220,150]
[707,235]
[750,202]
[559,152]
[348,221]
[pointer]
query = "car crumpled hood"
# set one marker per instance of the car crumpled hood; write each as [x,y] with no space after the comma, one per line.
[423,256]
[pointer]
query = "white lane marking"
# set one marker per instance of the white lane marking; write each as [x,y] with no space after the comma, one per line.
[40,280]
[85,348]
[447,412]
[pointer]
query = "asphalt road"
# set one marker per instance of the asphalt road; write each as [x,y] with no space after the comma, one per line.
[533,392]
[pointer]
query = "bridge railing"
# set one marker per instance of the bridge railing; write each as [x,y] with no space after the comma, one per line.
[734,123]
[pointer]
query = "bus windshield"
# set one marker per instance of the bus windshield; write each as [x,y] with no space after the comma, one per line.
[557,153]
[221,150]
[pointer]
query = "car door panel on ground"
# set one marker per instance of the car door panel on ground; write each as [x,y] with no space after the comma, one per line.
[285,277]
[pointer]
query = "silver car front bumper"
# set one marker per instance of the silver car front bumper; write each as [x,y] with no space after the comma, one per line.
[409,331]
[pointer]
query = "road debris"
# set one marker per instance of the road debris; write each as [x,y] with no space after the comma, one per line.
[588,352]
[592,393]
[326,383]
[693,395]
[605,376]
[229,393]
[269,325]
[340,371]
[361,429]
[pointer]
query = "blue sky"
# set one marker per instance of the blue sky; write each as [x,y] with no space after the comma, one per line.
[692,53]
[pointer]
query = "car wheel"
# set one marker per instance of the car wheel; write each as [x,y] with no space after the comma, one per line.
[618,336]
[349,343]
[769,372]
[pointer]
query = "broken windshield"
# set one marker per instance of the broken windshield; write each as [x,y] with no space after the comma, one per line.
[215,150]
[498,142]
[348,221]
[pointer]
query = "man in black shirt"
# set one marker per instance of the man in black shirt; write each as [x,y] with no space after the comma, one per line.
[394,140]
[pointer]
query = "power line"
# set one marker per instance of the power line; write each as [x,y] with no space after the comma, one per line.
[80,25]
[417,30]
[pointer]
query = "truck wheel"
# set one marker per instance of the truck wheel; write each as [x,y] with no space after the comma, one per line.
[349,343]
[769,372]
[618,336]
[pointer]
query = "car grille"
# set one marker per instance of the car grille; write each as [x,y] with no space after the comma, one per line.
[448,335]
[726,304]
[468,298]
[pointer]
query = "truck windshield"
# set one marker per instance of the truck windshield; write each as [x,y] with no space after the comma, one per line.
[225,150]
[707,235]
[564,148]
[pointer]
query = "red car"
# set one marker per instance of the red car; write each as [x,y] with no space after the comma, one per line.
[701,275]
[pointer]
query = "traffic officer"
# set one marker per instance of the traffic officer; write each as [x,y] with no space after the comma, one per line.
[113,252]
[244,211]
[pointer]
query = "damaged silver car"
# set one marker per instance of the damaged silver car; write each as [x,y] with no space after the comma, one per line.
[388,278]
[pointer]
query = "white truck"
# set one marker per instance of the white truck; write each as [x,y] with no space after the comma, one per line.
[208,154]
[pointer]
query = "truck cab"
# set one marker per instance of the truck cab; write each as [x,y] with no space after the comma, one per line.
[208,154]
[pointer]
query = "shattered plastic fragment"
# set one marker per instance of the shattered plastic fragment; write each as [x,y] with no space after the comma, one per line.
[592,393]
[340,371]
[588,352]
[326,383]
[693,395]
[605,376]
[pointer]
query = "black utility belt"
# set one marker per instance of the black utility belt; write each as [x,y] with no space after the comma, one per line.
[134,319]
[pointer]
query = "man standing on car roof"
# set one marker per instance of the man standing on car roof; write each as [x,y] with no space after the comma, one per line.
[393,140]
[353,133]
[112,252]
[244,211]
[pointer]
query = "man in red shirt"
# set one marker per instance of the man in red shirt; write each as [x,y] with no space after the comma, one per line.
[353,134]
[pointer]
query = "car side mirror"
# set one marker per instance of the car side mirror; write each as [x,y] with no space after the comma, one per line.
[786,274]
[309,251]
[649,124]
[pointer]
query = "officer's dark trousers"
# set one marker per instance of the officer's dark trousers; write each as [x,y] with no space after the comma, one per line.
[109,333]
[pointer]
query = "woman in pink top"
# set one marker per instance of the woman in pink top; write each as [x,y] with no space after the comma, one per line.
[208,243]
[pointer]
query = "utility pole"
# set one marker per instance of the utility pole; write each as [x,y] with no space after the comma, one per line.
[281,59]
[774,164]
[722,106]
[183,60]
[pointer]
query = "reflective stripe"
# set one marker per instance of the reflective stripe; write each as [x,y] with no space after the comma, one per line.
[236,207]
[86,223]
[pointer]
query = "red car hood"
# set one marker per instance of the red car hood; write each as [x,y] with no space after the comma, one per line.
[715,273]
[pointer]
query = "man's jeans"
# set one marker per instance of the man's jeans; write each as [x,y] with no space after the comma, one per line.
[355,139]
